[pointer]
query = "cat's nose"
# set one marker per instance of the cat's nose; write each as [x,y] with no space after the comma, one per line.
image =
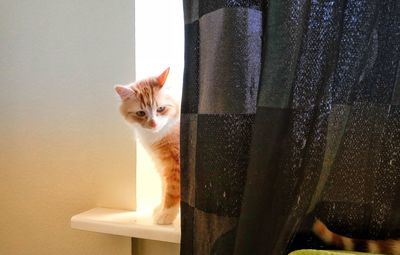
[152,124]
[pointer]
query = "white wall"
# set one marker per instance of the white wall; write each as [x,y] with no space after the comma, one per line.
[63,147]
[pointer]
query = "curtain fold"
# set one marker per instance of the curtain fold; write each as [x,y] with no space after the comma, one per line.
[221,78]
[290,111]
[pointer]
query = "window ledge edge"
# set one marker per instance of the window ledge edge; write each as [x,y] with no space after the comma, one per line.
[136,224]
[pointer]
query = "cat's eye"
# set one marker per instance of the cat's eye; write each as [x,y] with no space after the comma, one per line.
[161,109]
[140,113]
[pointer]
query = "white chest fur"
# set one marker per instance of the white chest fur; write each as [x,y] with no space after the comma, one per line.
[148,137]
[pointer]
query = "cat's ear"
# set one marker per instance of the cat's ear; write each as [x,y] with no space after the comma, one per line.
[123,91]
[163,77]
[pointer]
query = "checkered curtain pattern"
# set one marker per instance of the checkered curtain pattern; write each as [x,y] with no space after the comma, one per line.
[290,110]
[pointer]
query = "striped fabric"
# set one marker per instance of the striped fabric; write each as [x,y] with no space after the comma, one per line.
[290,110]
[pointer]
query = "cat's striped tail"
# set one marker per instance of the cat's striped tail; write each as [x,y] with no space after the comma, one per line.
[391,247]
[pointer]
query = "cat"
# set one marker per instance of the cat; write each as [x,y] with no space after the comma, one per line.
[155,118]
[391,247]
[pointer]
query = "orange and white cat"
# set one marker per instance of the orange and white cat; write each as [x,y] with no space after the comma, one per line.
[391,247]
[154,116]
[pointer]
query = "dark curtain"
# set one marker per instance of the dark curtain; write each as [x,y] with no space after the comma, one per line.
[290,111]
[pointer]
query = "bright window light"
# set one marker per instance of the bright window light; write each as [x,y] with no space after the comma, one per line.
[159,39]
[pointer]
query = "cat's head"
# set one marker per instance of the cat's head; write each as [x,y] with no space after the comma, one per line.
[144,103]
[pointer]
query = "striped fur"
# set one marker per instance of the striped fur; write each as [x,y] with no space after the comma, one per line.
[391,247]
[167,152]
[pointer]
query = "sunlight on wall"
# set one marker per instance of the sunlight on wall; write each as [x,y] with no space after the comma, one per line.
[159,44]
[159,32]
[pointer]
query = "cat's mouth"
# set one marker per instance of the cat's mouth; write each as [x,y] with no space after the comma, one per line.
[154,129]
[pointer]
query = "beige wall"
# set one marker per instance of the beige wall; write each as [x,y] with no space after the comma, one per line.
[63,147]
[150,247]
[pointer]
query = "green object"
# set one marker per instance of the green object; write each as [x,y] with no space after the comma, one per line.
[319,252]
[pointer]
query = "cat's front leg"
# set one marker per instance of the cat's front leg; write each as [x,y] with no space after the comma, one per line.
[168,210]
[165,216]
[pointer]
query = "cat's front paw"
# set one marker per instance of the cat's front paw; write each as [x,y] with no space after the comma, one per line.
[165,216]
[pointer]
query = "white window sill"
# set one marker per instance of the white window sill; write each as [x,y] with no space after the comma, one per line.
[126,223]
